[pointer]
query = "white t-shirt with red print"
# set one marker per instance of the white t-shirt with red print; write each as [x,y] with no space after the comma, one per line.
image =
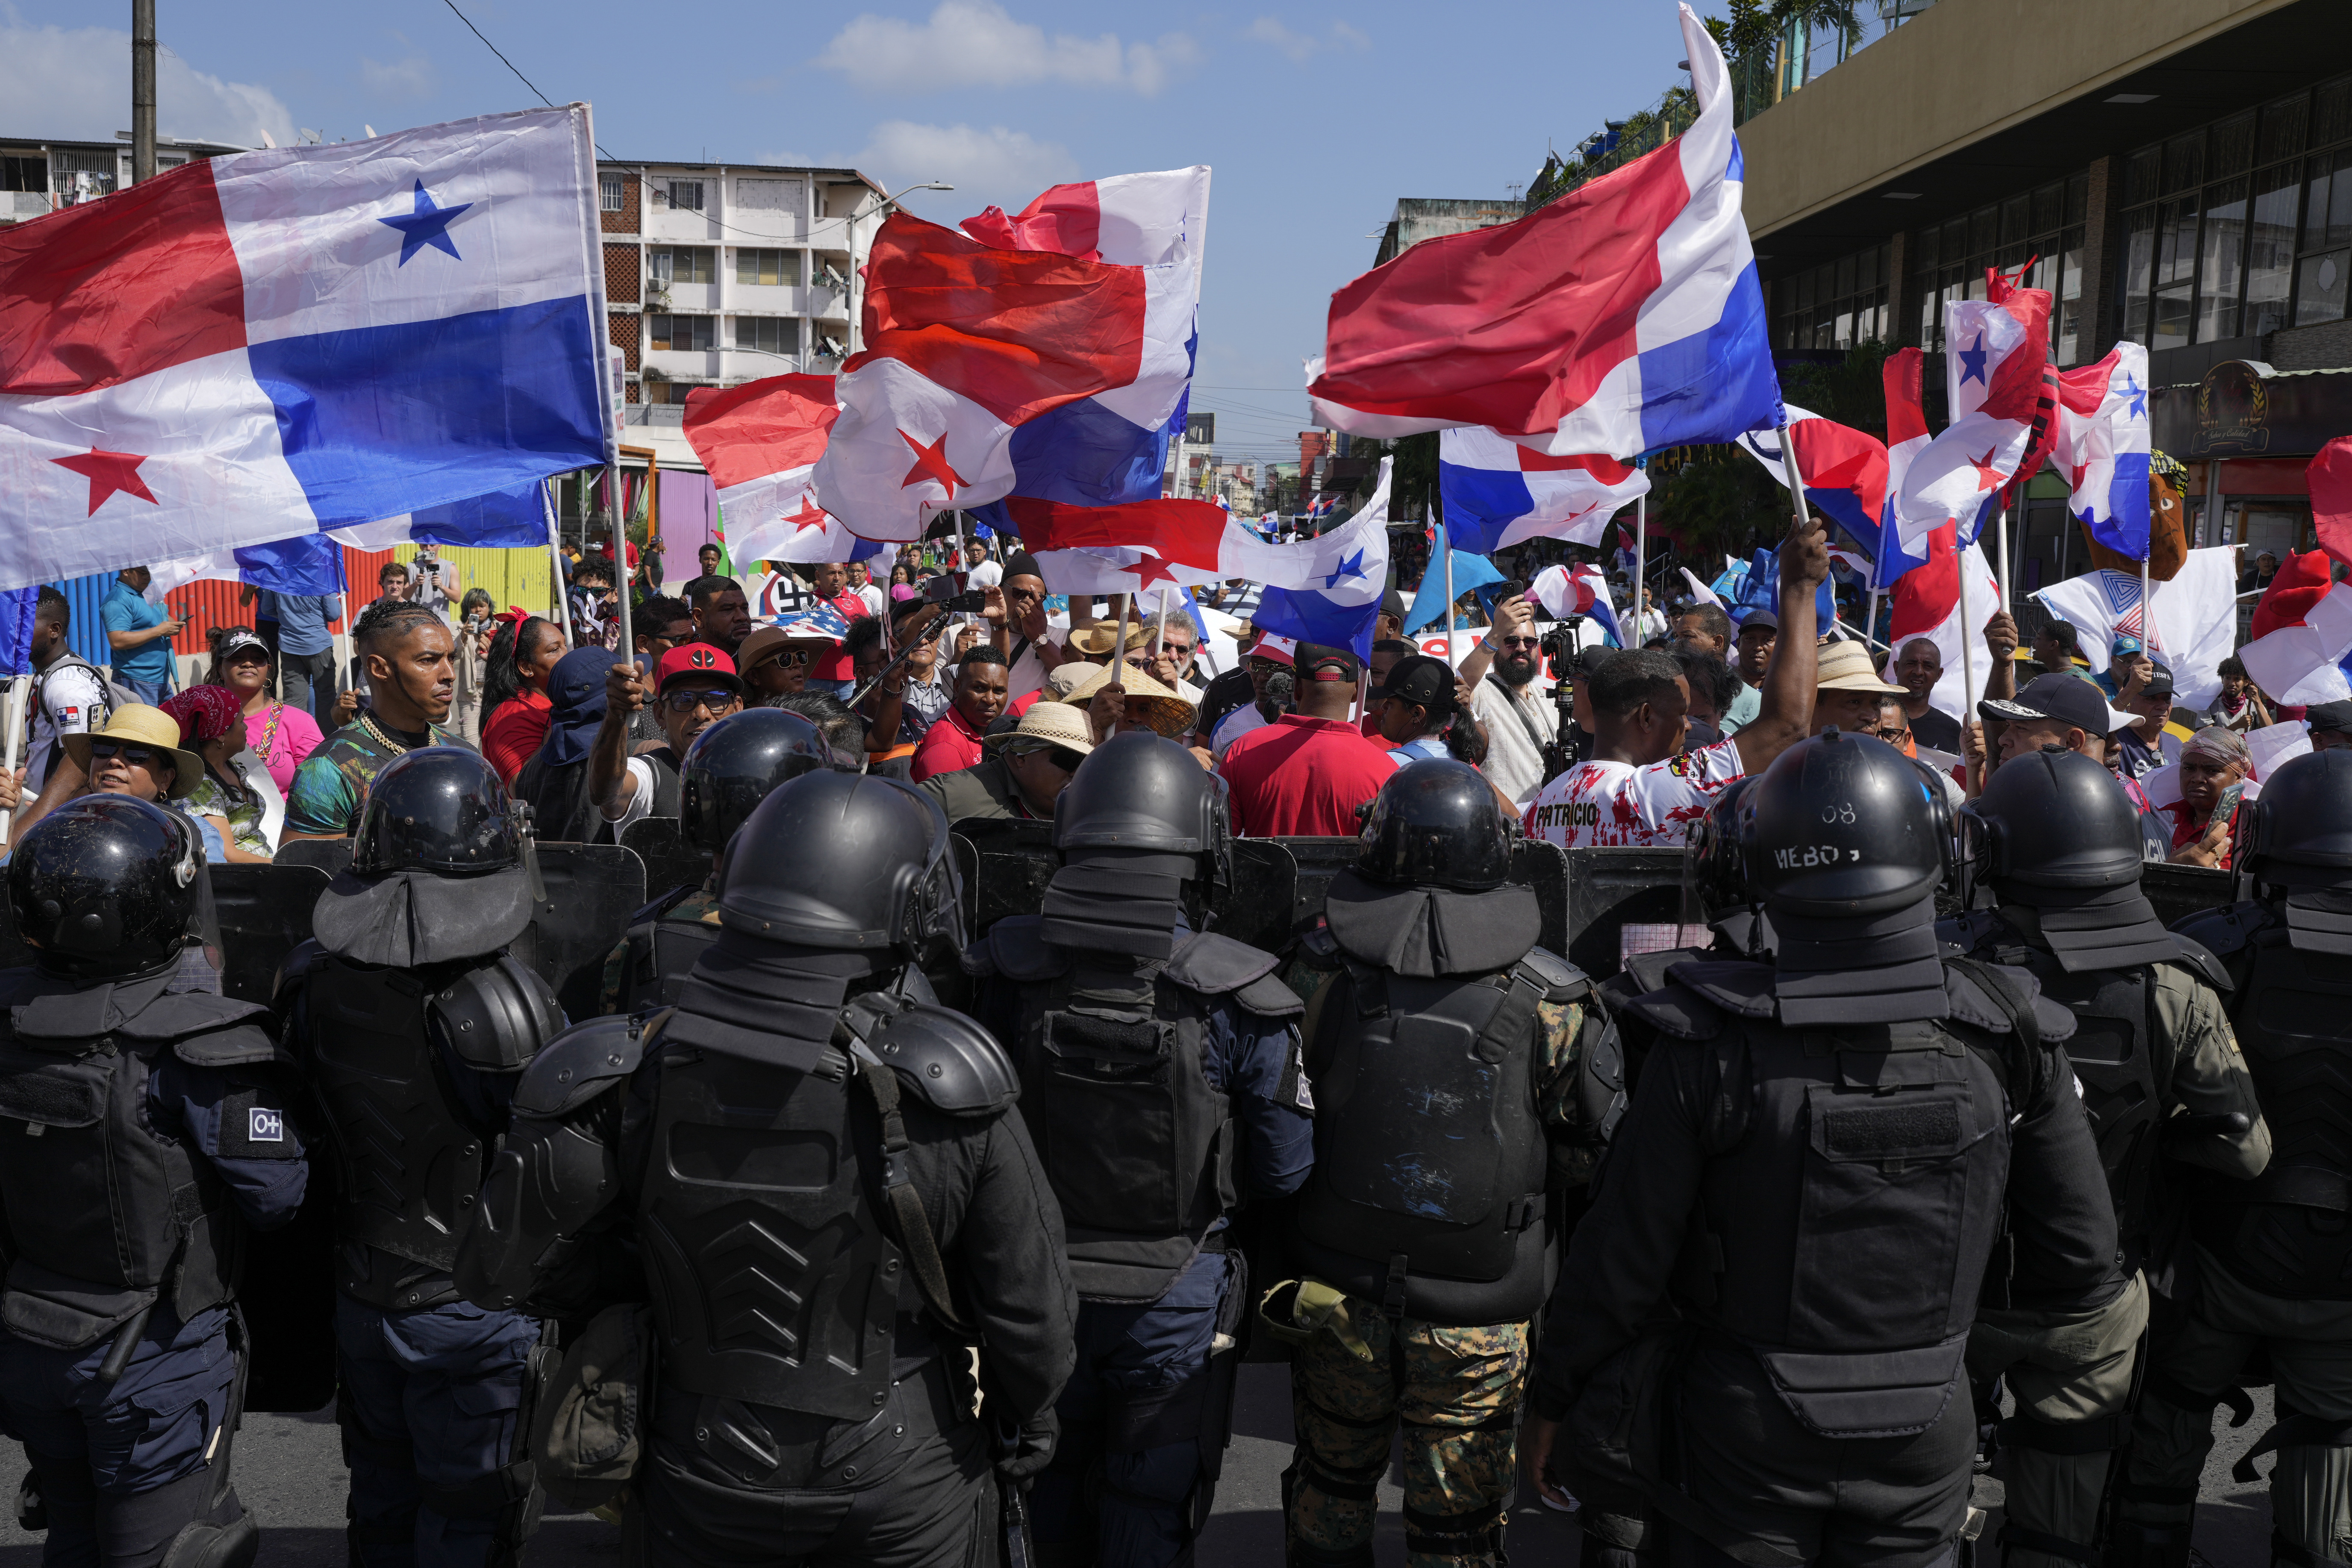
[1611,806]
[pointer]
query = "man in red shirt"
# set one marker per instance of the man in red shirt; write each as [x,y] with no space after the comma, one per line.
[837,671]
[1305,773]
[952,743]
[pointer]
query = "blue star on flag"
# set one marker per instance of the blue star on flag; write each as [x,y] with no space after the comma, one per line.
[1972,362]
[428,224]
[2139,395]
[1352,567]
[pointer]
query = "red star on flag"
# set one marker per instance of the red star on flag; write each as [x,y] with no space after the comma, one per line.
[2074,475]
[1987,477]
[109,472]
[1149,570]
[931,463]
[811,515]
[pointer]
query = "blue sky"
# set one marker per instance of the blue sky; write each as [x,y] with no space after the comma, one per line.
[1315,118]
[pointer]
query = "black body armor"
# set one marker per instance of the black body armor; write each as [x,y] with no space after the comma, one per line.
[1893,1140]
[1140,1148]
[105,1215]
[2284,1231]
[412,1161]
[662,951]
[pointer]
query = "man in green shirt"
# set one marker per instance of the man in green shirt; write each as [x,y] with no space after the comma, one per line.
[407,651]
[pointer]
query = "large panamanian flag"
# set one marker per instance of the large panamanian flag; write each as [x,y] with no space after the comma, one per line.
[266,344]
[1498,492]
[1623,318]
[759,442]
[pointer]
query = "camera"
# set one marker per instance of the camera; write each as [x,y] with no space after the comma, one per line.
[941,591]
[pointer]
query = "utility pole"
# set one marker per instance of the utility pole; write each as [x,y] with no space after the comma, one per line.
[142,90]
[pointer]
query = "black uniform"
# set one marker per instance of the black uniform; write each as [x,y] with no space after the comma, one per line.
[412,1023]
[143,1129]
[1814,1200]
[828,1203]
[1160,1073]
[2059,847]
[2271,1269]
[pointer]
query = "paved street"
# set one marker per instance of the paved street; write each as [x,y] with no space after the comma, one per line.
[290,1474]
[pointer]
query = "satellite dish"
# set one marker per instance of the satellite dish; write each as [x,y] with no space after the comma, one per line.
[369,128]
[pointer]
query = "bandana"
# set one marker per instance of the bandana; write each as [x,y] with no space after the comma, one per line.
[205,713]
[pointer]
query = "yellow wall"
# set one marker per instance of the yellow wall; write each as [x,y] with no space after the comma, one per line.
[512,576]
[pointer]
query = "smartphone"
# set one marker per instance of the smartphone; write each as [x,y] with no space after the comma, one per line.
[2225,808]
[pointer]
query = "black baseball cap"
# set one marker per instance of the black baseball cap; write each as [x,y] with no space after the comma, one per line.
[1421,680]
[1393,604]
[2159,684]
[2068,698]
[1765,618]
[2331,716]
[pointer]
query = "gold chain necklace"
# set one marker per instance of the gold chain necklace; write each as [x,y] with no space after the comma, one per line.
[399,748]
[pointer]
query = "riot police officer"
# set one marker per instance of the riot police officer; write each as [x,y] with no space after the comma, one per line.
[143,1126]
[828,1203]
[2159,1068]
[1161,1077]
[1812,1172]
[2270,1266]
[412,1023]
[728,769]
[1444,1057]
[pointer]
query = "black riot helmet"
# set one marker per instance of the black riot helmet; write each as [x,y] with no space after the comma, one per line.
[1845,826]
[109,886]
[1435,823]
[844,862]
[2299,831]
[734,764]
[1137,791]
[2052,818]
[439,809]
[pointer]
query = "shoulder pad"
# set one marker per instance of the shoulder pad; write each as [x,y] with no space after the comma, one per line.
[2201,962]
[240,1045]
[949,1062]
[2225,930]
[1734,985]
[1212,964]
[1317,947]
[1016,948]
[579,1064]
[1269,997]
[1964,933]
[1647,971]
[1971,1005]
[660,906]
[181,1014]
[298,966]
[1677,1011]
[1561,980]
[496,1015]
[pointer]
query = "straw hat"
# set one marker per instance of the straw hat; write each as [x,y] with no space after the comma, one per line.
[1163,710]
[1846,665]
[1068,676]
[145,726]
[1053,723]
[1094,641]
[768,640]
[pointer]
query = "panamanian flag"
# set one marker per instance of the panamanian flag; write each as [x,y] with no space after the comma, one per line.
[267,344]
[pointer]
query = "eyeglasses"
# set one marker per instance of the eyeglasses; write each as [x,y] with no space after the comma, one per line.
[1066,759]
[688,701]
[790,658]
[137,756]
[1523,642]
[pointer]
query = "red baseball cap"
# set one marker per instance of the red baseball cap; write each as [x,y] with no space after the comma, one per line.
[699,659]
[1281,650]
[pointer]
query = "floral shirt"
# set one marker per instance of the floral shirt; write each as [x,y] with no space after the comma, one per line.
[241,811]
[1608,804]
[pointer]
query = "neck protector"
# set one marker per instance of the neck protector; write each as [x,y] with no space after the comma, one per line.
[2319,922]
[768,1000]
[1424,932]
[1118,901]
[1884,969]
[2108,928]
[401,919]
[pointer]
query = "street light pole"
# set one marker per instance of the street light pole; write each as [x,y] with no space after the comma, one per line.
[142,90]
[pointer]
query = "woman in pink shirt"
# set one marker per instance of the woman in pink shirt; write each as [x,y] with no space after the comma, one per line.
[280,733]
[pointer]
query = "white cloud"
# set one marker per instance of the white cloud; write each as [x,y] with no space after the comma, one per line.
[74,85]
[995,165]
[976,42]
[410,77]
[1300,46]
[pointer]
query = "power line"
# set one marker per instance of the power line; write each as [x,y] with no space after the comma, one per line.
[502,60]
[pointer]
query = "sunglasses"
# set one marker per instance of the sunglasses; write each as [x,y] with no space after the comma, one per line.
[688,701]
[1523,642]
[137,756]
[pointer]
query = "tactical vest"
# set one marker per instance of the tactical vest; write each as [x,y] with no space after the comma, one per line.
[773,1281]
[2117,1057]
[2286,1232]
[662,949]
[1431,1160]
[106,1213]
[1852,1195]
[411,1166]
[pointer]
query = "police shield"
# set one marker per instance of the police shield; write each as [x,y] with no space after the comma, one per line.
[263,913]
[2179,891]
[1005,864]
[1258,906]
[1608,890]
[591,891]
[669,861]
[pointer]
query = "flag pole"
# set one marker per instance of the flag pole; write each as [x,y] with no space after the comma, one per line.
[1869,615]
[1159,636]
[1446,544]
[618,531]
[2005,598]
[1796,480]
[1642,557]
[20,689]
[1967,666]
[554,557]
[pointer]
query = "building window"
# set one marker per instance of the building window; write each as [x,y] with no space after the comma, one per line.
[681,334]
[776,266]
[2044,227]
[24,172]
[683,264]
[768,196]
[2242,227]
[1834,306]
[609,192]
[83,176]
[770,335]
[685,195]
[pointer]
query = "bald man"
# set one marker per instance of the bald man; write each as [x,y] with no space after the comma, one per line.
[1918,667]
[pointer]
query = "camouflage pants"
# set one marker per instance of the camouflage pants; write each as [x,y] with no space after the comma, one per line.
[1456,1393]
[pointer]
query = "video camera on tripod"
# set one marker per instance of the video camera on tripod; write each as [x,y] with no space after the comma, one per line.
[1559,651]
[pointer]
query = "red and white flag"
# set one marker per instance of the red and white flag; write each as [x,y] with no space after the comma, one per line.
[1994,351]
[2303,633]
[759,442]
[1927,605]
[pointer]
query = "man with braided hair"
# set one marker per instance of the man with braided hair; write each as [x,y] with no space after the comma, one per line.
[409,655]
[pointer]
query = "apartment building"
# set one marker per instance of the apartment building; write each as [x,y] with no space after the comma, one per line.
[717,273]
[37,176]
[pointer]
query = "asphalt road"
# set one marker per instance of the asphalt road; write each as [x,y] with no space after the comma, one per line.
[289,1471]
